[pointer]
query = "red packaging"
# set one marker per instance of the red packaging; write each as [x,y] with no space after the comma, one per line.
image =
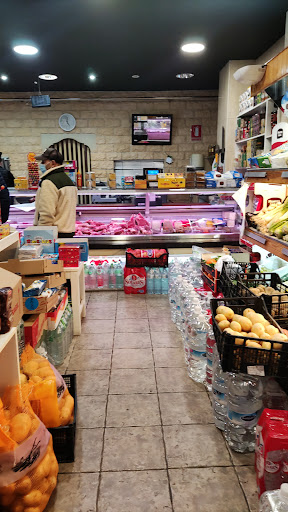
[135,280]
[70,254]
[271,452]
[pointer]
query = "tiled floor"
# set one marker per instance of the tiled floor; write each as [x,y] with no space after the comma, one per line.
[146,440]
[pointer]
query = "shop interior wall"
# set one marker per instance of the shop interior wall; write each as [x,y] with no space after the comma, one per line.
[104,123]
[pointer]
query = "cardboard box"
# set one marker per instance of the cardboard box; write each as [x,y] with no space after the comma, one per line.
[39,304]
[34,326]
[112,176]
[140,184]
[53,280]
[171,182]
[32,267]
[81,242]
[4,230]
[14,282]
[112,183]
[54,317]
[45,235]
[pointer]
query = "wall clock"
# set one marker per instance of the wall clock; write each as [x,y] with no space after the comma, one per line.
[67,122]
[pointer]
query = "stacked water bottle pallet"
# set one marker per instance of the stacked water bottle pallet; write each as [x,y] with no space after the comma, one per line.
[104,275]
[58,340]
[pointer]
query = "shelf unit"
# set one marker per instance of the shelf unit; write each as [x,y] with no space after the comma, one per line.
[269,243]
[272,176]
[242,141]
[256,109]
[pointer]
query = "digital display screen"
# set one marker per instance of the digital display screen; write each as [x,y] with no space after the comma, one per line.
[151,129]
[42,100]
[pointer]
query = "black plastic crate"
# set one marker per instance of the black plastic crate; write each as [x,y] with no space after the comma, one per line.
[133,261]
[277,304]
[229,276]
[239,358]
[64,437]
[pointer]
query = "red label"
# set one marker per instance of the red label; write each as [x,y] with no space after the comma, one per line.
[196,132]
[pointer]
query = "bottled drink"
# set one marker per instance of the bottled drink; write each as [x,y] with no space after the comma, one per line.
[209,356]
[21,337]
[244,406]
[219,391]
[112,277]
[106,275]
[93,277]
[197,344]
[119,276]
[275,501]
[100,277]
[157,281]
[150,280]
[164,281]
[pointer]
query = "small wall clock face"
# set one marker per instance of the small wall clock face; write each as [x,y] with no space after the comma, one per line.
[67,122]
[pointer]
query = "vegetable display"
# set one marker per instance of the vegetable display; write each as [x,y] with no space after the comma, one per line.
[273,220]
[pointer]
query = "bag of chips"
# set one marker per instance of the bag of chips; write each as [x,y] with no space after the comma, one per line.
[48,393]
[28,464]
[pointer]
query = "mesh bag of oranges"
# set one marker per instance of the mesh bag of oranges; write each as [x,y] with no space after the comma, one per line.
[28,464]
[48,393]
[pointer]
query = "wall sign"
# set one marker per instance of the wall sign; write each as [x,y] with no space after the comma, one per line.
[196,132]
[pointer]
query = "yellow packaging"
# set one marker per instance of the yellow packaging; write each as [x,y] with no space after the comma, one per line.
[140,184]
[4,230]
[112,183]
[171,180]
[21,183]
[112,176]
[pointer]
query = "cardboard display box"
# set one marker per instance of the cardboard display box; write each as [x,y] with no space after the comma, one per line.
[32,267]
[14,282]
[54,317]
[39,304]
[81,242]
[53,280]
[34,326]
[45,235]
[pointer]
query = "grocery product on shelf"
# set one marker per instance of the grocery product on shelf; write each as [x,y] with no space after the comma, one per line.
[244,406]
[57,342]
[135,280]
[136,225]
[29,467]
[33,175]
[275,501]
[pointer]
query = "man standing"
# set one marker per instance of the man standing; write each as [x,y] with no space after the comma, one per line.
[56,197]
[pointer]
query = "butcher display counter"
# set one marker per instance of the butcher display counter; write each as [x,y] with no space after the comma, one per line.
[173,217]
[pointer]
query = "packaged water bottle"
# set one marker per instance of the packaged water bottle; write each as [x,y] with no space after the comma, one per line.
[210,343]
[119,276]
[164,281]
[197,343]
[112,277]
[100,277]
[150,280]
[274,501]
[244,407]
[273,470]
[105,271]
[93,277]
[219,392]
[157,281]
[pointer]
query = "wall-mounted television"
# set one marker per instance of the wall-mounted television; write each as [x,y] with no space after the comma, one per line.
[41,100]
[151,129]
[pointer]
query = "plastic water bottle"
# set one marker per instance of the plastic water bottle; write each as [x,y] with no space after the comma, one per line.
[219,391]
[150,280]
[244,407]
[197,343]
[274,501]
[164,281]
[210,343]
[112,277]
[106,275]
[119,276]
[100,277]
[157,281]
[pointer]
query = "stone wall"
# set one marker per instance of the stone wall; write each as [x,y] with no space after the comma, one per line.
[107,118]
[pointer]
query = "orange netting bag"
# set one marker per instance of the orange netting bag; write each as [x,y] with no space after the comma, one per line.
[48,395]
[28,464]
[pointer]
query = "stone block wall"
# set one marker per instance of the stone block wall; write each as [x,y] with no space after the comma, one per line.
[108,117]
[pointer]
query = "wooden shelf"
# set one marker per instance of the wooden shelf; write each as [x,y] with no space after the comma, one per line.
[269,243]
[242,141]
[272,176]
[253,110]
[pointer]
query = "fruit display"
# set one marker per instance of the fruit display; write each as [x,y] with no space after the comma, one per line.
[258,331]
[29,467]
[273,220]
[48,393]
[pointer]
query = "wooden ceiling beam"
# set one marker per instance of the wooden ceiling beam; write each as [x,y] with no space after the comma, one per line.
[276,69]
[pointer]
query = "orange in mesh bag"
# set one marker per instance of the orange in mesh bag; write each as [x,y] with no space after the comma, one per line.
[49,396]
[28,464]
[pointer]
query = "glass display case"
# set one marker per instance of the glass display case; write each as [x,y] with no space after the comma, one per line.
[168,217]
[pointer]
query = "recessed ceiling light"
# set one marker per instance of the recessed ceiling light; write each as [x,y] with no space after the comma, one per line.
[92,77]
[25,49]
[184,75]
[4,78]
[47,76]
[135,76]
[193,47]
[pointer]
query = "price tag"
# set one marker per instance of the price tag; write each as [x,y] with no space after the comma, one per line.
[258,371]
[257,238]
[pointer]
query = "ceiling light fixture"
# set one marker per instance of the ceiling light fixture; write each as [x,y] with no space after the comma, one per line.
[47,76]
[135,76]
[25,49]
[184,75]
[92,77]
[4,78]
[193,47]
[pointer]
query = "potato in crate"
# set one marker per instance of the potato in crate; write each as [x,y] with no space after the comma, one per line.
[248,339]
